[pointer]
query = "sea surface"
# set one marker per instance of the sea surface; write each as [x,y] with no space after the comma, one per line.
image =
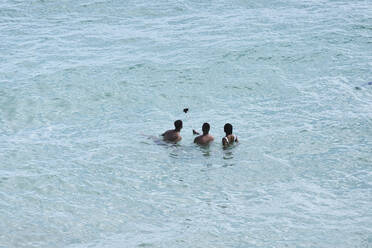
[87,87]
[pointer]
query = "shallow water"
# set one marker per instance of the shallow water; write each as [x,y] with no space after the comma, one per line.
[83,84]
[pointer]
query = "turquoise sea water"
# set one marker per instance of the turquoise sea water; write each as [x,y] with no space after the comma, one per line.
[82,83]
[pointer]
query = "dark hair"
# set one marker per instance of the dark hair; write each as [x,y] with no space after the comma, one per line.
[178,124]
[206,128]
[228,128]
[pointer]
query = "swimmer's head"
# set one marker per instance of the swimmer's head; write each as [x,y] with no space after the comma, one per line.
[206,128]
[178,125]
[228,128]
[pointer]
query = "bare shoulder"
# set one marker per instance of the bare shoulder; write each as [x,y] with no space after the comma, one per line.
[209,138]
[198,139]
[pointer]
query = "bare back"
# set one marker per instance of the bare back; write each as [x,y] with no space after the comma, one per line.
[204,139]
[172,136]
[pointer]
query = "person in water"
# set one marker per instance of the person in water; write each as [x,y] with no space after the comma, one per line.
[205,138]
[229,138]
[174,134]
